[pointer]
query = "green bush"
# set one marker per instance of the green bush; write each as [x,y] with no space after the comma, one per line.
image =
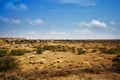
[80,51]
[3,53]
[110,51]
[58,48]
[17,52]
[48,47]
[39,50]
[94,50]
[8,63]
[103,50]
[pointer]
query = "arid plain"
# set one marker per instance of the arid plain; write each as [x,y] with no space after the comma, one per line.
[22,59]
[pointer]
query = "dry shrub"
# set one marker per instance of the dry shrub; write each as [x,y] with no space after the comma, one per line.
[94,70]
[17,52]
[3,52]
[13,77]
[39,50]
[8,63]
[116,64]
[80,51]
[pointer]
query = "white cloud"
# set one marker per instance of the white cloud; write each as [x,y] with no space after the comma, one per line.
[15,21]
[74,34]
[23,6]
[32,33]
[36,22]
[93,23]
[24,34]
[59,33]
[83,31]
[3,19]
[48,35]
[56,35]
[113,22]
[16,7]
[79,2]
[82,24]
[97,23]
[9,20]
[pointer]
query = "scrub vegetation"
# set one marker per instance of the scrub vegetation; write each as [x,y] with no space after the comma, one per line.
[22,59]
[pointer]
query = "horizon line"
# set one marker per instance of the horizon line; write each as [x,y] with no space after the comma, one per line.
[62,39]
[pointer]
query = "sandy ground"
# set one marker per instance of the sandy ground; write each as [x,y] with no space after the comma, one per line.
[64,65]
[68,66]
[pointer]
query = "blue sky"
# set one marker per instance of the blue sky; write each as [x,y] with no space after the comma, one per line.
[60,19]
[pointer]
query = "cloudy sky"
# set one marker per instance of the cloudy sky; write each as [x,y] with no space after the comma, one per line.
[60,19]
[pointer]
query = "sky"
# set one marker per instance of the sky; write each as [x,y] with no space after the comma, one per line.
[60,19]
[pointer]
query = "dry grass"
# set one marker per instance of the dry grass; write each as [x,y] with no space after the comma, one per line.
[57,60]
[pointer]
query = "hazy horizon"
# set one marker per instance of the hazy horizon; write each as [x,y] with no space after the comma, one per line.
[60,19]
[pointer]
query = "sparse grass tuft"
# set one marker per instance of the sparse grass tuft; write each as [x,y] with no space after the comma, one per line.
[73,50]
[80,51]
